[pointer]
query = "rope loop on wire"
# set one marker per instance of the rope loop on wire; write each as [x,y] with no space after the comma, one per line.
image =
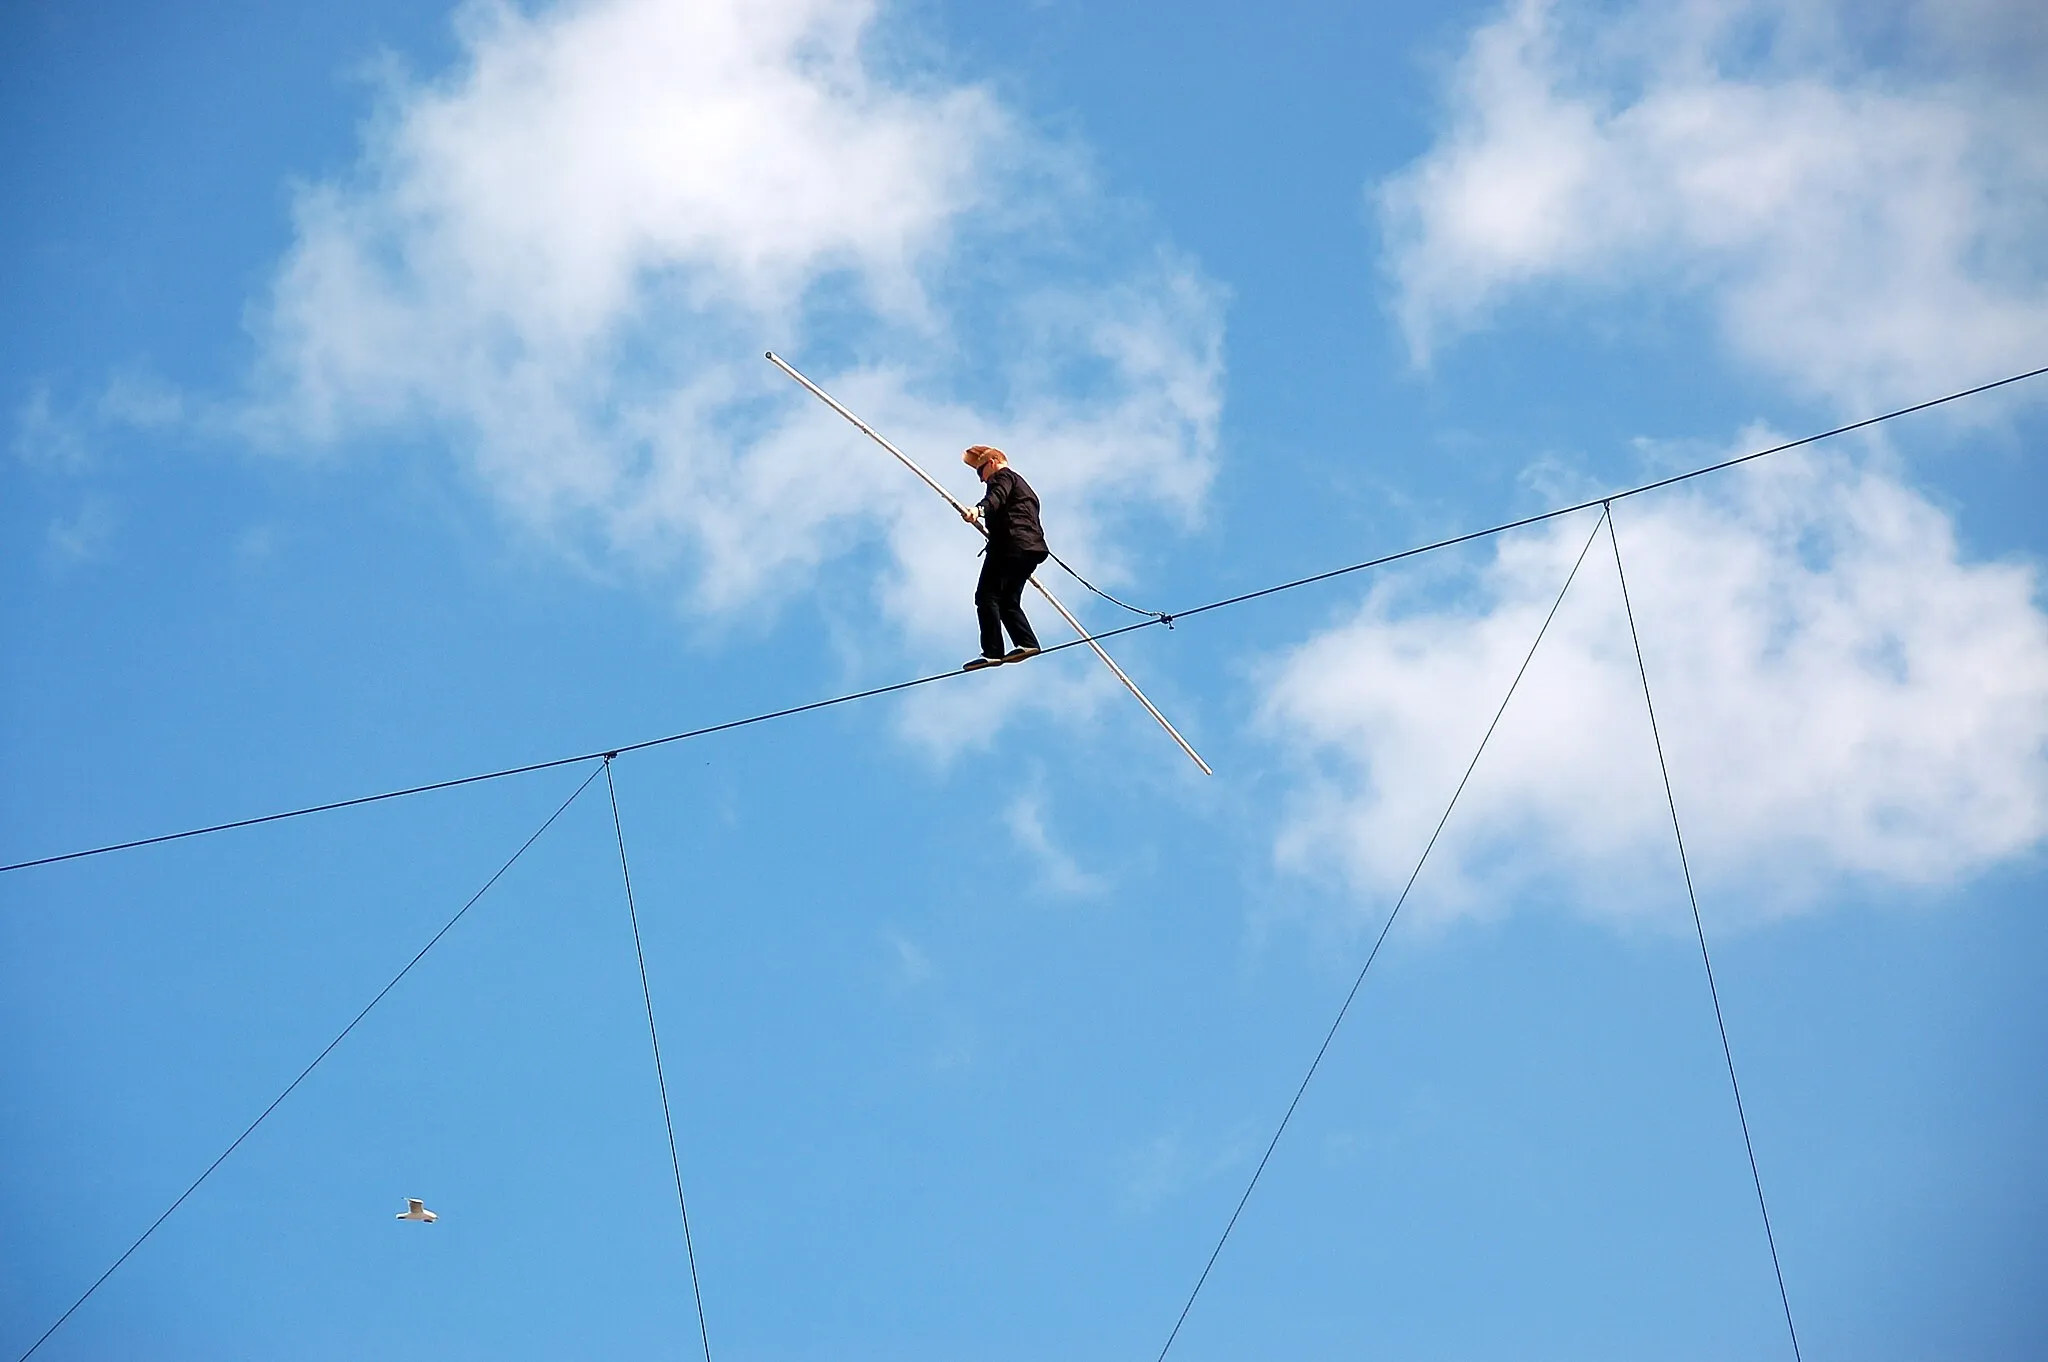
[1159,615]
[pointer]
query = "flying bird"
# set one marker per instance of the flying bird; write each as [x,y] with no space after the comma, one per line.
[415,1209]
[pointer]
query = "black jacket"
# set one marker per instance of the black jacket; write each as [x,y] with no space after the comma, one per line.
[1009,511]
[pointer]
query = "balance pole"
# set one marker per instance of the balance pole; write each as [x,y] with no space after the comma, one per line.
[961,509]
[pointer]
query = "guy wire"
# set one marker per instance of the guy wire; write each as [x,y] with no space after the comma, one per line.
[1381,940]
[1706,960]
[660,1079]
[277,1101]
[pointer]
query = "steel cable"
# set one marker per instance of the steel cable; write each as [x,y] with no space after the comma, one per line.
[291,1087]
[660,1078]
[1380,941]
[1150,622]
[1706,960]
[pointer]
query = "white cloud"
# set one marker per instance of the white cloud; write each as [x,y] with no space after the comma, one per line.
[84,537]
[258,544]
[1864,231]
[139,400]
[45,438]
[66,440]
[1057,869]
[565,257]
[1843,701]
[1166,1168]
[913,966]
[1858,197]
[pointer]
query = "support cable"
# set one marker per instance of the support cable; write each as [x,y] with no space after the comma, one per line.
[1153,620]
[1727,1051]
[291,1087]
[1399,903]
[661,1081]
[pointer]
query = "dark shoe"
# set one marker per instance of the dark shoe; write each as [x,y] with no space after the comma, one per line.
[1019,654]
[977,663]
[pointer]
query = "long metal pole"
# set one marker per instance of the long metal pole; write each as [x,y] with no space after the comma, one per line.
[961,509]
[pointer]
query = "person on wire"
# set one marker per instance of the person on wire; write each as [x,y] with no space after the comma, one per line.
[1016,546]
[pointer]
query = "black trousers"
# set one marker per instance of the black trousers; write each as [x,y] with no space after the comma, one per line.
[998,600]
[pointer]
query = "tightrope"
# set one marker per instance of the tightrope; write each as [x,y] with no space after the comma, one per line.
[1151,621]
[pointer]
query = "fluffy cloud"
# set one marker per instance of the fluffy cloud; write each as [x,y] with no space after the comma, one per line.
[1842,699]
[1058,871]
[564,257]
[44,439]
[1860,230]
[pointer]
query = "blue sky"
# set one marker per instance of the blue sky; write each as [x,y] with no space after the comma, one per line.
[384,404]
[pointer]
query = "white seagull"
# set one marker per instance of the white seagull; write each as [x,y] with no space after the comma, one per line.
[415,1209]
